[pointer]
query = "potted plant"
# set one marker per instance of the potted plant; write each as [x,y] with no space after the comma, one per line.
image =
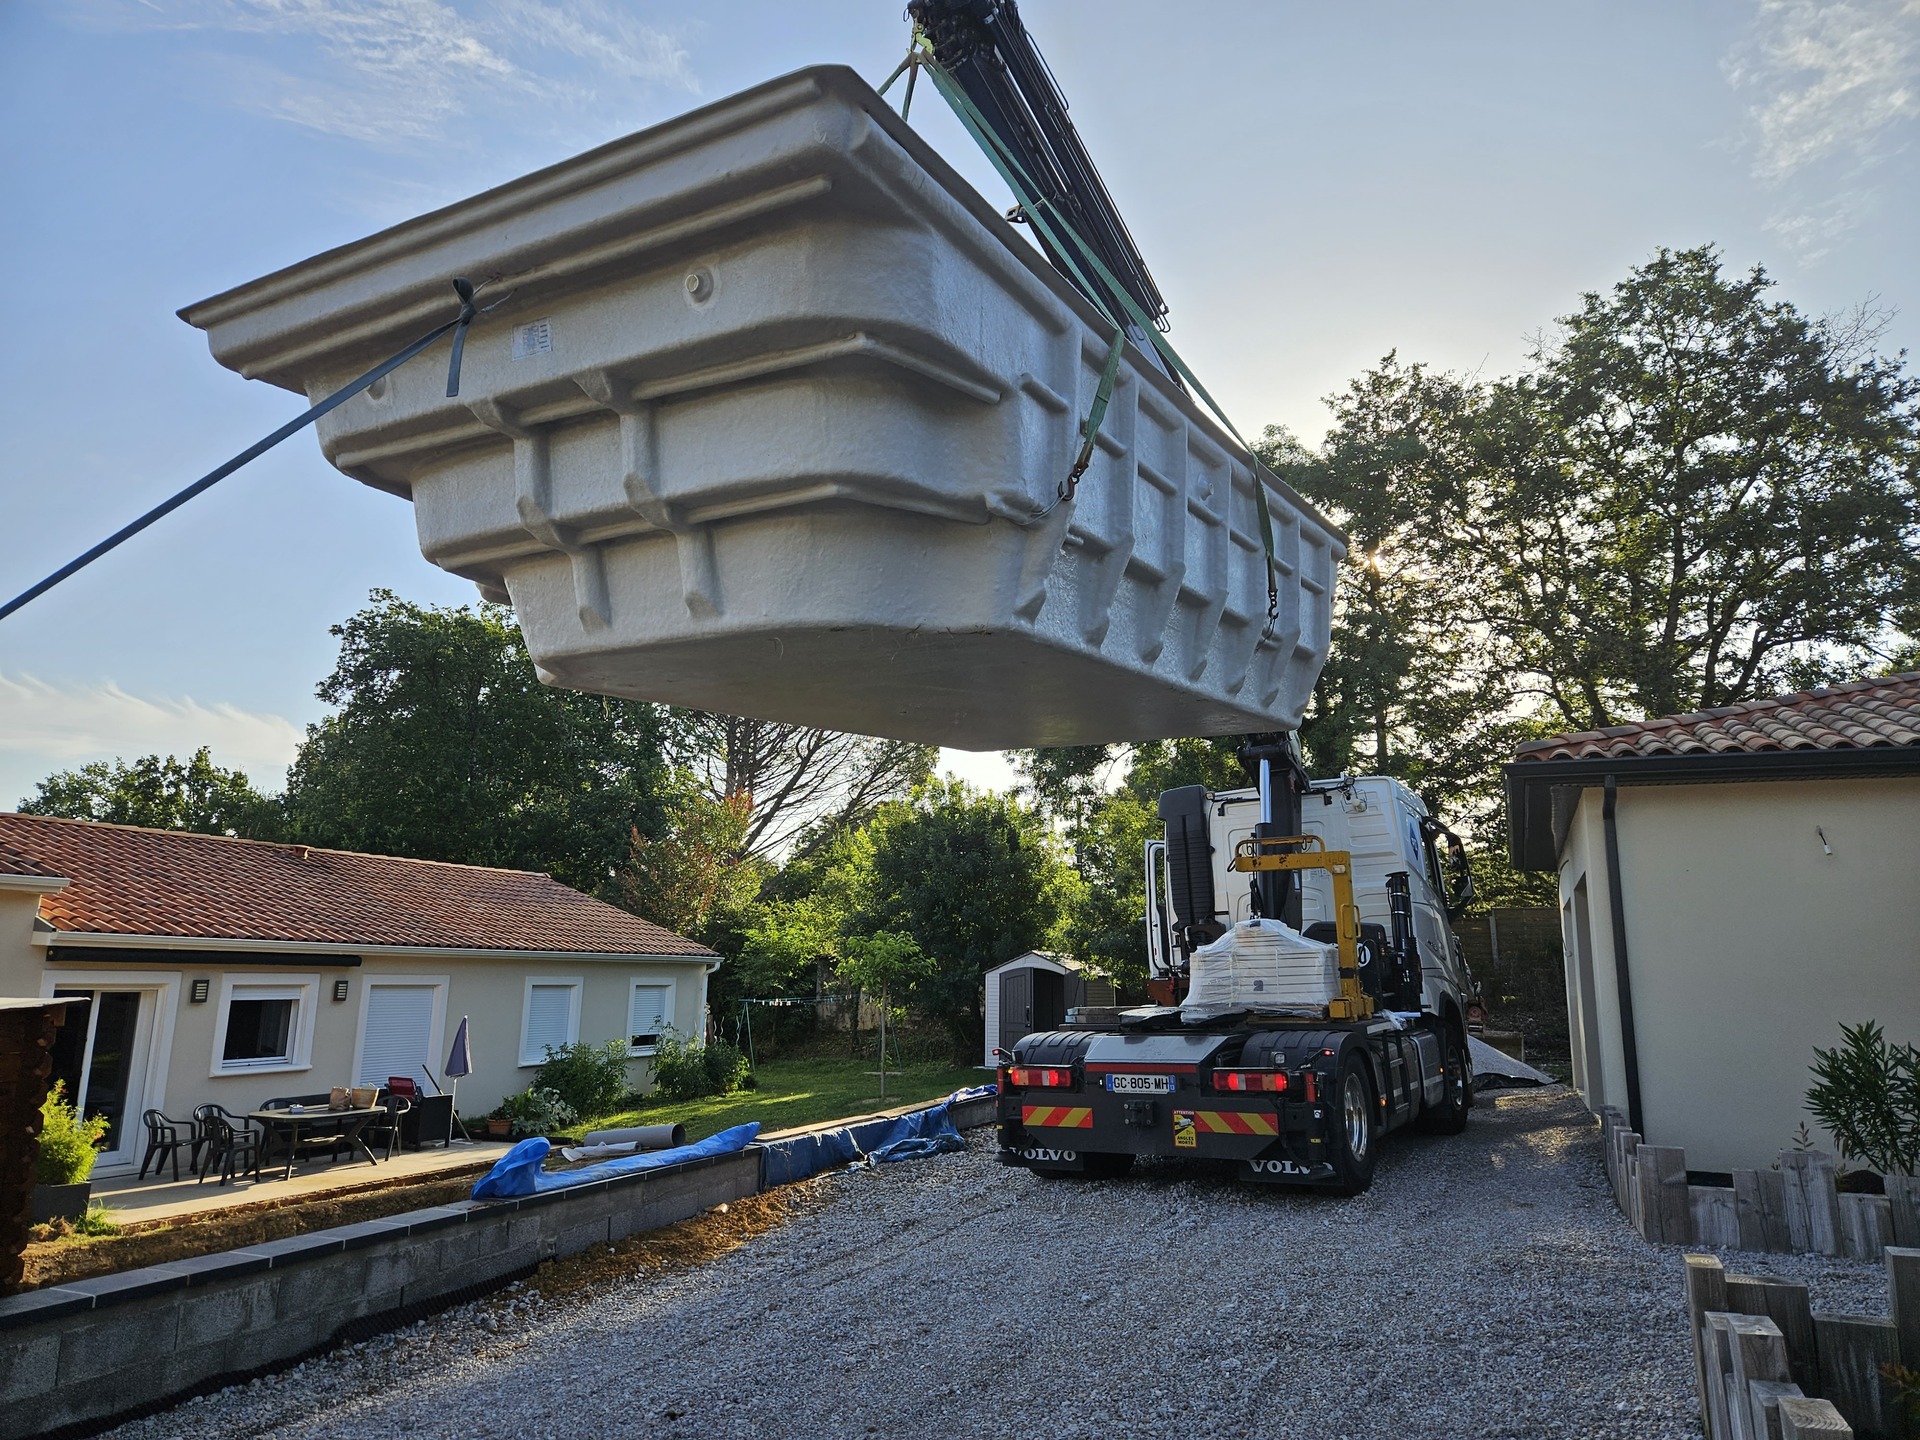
[498,1125]
[68,1147]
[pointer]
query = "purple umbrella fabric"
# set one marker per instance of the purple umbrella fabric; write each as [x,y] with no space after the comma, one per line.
[460,1058]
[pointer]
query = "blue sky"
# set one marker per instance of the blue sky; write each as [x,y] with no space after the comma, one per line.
[1313,185]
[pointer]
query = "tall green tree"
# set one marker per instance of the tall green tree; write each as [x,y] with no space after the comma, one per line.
[169,794]
[444,745]
[972,880]
[1697,495]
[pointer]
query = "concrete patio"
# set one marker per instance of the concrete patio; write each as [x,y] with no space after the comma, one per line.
[137,1203]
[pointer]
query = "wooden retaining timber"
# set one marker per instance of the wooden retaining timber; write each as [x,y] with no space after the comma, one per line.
[1768,1367]
[1795,1209]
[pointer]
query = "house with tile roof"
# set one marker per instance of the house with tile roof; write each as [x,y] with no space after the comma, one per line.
[236,971]
[1735,885]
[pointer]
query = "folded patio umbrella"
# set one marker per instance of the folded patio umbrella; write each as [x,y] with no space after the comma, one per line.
[459,1062]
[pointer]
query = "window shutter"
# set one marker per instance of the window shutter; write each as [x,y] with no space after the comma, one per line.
[647,1014]
[549,1013]
[399,1032]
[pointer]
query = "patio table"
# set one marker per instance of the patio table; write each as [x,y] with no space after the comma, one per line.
[282,1129]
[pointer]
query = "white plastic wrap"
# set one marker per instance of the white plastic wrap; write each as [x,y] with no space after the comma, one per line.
[1260,965]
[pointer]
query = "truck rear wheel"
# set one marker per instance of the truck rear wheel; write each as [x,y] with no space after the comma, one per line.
[1356,1128]
[1449,1117]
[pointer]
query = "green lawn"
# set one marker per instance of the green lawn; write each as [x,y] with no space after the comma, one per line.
[797,1092]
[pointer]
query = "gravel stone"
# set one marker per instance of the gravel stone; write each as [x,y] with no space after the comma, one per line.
[1484,1287]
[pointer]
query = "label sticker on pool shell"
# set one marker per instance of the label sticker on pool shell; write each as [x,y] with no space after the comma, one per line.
[533,338]
[1184,1135]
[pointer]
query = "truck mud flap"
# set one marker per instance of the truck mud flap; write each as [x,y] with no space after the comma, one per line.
[1279,1170]
[1030,1156]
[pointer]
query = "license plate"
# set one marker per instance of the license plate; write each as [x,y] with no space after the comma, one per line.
[1140,1084]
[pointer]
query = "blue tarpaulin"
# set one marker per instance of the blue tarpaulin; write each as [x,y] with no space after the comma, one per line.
[518,1171]
[901,1137]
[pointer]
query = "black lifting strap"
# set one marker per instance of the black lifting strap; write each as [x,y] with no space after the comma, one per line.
[469,312]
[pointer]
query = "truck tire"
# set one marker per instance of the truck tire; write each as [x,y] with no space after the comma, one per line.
[1356,1138]
[1449,1117]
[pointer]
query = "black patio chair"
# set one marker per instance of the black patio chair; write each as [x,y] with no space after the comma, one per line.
[231,1142]
[387,1130]
[165,1140]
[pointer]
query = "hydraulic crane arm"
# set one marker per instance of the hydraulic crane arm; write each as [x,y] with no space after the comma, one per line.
[985,48]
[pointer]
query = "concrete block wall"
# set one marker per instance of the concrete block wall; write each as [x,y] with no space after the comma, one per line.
[75,1356]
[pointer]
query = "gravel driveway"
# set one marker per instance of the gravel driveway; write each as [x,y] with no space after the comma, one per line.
[1484,1287]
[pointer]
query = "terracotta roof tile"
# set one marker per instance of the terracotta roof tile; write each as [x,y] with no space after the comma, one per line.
[1861,715]
[130,881]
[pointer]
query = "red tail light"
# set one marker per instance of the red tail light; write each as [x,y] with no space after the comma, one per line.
[1271,1081]
[1039,1077]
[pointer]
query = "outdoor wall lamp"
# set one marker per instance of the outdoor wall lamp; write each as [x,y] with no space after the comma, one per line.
[339,990]
[198,995]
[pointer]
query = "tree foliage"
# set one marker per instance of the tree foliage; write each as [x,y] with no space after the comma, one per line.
[696,877]
[972,880]
[169,794]
[445,746]
[800,784]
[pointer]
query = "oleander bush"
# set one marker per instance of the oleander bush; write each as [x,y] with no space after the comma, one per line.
[1866,1092]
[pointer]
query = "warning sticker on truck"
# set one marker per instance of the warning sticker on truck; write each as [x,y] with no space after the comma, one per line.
[1184,1137]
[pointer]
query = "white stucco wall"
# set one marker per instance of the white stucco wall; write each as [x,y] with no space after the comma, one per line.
[1748,945]
[177,1061]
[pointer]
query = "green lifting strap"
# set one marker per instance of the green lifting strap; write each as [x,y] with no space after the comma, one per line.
[1031,204]
[1090,427]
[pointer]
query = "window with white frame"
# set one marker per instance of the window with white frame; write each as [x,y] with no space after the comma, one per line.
[549,1016]
[649,1012]
[265,1023]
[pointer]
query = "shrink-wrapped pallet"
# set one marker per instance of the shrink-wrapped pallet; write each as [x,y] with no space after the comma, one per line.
[772,421]
[1260,965]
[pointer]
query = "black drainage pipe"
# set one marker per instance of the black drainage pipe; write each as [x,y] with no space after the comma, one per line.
[1623,979]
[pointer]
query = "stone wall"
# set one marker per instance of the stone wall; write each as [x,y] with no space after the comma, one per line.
[75,1358]
[78,1355]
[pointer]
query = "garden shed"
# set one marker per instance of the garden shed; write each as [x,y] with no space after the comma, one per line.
[1735,885]
[1033,992]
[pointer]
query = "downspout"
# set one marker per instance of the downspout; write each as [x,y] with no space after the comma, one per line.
[1623,979]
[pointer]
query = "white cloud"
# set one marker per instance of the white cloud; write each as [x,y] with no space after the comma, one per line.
[1837,85]
[46,727]
[1835,76]
[392,71]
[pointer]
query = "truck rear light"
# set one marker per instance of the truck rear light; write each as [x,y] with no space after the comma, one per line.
[1312,1088]
[1271,1081]
[1040,1077]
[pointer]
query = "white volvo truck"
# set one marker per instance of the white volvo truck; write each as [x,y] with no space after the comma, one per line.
[1301,1087]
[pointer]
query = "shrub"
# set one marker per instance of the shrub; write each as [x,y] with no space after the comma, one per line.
[590,1078]
[727,1069]
[67,1141]
[686,1070]
[1866,1092]
[537,1112]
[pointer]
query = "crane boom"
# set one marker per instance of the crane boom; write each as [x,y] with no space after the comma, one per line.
[988,52]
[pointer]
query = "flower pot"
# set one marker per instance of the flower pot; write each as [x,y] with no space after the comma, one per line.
[499,1129]
[61,1202]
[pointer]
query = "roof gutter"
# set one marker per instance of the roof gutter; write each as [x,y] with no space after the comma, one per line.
[1530,783]
[1622,974]
[57,940]
[34,884]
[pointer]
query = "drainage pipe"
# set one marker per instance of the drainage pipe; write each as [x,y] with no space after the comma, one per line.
[1623,979]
